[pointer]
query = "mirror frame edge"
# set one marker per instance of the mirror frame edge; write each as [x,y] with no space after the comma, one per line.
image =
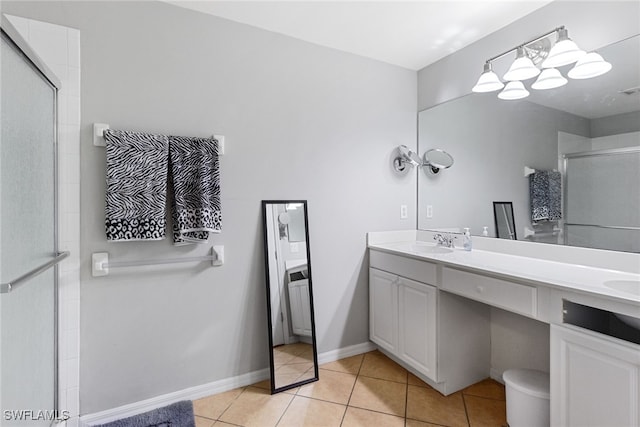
[316,377]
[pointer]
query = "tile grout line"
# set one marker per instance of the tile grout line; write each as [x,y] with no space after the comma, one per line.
[231,403]
[285,410]
[406,400]
[466,412]
[353,388]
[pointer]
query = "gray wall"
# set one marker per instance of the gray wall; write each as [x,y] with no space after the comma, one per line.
[301,121]
[614,125]
[592,25]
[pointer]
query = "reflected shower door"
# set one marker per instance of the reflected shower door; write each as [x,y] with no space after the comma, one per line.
[28,363]
[602,199]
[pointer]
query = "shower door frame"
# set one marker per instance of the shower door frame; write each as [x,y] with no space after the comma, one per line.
[15,41]
[565,164]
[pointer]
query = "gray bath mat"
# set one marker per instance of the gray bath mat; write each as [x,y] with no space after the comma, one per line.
[179,414]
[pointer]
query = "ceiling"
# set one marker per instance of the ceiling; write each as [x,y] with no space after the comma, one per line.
[410,34]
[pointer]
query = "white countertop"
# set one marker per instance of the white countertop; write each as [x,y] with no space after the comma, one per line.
[537,271]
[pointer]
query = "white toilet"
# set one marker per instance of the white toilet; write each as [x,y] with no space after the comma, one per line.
[527,398]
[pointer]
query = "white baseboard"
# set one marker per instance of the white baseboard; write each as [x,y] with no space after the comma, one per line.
[341,353]
[496,375]
[204,390]
[191,393]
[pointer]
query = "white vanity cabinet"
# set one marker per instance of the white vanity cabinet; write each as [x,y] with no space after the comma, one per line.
[403,319]
[383,309]
[408,315]
[417,325]
[592,372]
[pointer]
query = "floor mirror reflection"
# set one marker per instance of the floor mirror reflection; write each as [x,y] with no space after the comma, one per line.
[292,341]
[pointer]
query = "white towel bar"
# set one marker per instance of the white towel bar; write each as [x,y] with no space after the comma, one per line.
[100,263]
[98,137]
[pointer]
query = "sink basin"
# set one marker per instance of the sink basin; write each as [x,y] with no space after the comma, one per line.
[430,249]
[628,286]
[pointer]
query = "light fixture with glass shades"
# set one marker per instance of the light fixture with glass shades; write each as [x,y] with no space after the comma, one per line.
[488,81]
[514,90]
[522,68]
[537,57]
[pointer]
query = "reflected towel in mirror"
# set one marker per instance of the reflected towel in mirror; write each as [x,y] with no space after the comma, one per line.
[545,189]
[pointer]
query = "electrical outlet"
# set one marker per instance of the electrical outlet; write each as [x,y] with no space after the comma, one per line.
[403,212]
[429,211]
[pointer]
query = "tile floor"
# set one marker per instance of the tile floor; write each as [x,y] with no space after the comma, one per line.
[364,390]
[293,363]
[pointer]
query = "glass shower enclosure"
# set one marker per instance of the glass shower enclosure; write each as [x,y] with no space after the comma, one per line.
[602,199]
[28,235]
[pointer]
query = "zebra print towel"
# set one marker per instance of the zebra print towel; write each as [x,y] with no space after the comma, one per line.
[136,185]
[195,176]
[545,189]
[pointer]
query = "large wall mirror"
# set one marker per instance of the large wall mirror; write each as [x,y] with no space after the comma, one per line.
[587,131]
[292,340]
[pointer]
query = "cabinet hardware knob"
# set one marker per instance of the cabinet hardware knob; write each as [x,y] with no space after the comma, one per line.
[480,289]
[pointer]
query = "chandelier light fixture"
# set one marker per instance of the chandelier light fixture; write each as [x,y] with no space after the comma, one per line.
[536,57]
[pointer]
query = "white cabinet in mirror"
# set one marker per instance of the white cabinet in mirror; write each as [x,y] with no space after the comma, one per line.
[588,131]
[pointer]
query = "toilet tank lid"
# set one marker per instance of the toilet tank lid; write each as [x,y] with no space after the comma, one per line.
[528,381]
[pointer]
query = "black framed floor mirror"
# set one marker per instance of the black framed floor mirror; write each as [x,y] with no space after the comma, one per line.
[293,353]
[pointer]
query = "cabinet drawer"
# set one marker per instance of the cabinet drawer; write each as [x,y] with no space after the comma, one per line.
[508,295]
[420,271]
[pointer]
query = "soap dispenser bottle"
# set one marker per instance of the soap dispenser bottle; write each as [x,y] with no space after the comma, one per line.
[466,239]
[485,231]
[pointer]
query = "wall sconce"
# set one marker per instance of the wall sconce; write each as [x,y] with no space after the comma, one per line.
[434,159]
[536,57]
[405,157]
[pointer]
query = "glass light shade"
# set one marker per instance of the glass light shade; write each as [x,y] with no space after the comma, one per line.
[590,65]
[564,52]
[522,68]
[488,81]
[550,78]
[513,90]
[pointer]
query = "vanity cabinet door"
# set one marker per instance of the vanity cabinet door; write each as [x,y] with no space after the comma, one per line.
[383,309]
[417,325]
[595,381]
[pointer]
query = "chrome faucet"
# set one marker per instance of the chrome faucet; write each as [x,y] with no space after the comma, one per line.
[445,239]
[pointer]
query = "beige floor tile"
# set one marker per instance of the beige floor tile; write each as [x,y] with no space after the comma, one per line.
[488,388]
[486,412]
[204,422]
[333,387]
[222,424]
[356,417]
[294,368]
[413,380]
[377,365]
[283,380]
[213,406]
[379,395]
[266,384]
[305,412]
[350,365]
[300,358]
[256,407]
[426,404]
[416,423]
